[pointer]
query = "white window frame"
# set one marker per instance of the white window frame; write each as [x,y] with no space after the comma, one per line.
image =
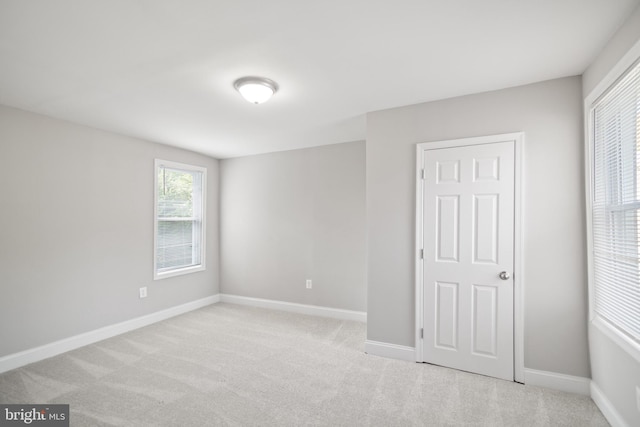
[179,270]
[611,331]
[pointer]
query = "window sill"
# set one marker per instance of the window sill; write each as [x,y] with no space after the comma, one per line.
[623,341]
[178,272]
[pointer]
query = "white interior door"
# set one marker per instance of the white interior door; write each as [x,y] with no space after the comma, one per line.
[468,260]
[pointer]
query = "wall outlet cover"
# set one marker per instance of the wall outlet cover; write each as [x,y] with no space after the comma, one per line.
[143,292]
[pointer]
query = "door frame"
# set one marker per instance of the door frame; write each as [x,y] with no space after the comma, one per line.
[518,248]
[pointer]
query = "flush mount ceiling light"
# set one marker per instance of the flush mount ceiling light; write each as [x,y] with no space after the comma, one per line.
[256,89]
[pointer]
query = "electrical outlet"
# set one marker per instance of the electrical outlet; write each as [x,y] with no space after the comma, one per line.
[309,285]
[143,292]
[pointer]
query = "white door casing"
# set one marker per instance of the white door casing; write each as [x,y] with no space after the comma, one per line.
[466,223]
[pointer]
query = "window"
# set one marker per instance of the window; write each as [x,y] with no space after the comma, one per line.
[615,205]
[179,219]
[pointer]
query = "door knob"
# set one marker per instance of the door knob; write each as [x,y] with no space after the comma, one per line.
[504,275]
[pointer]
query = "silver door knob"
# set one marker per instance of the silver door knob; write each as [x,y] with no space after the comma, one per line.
[504,275]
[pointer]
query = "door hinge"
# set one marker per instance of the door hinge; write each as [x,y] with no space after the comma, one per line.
[422,174]
[421,332]
[421,253]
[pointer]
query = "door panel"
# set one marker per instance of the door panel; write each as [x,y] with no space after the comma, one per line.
[447,317]
[468,221]
[485,225]
[447,228]
[484,317]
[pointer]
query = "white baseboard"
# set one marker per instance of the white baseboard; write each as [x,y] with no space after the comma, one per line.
[36,354]
[562,382]
[392,351]
[552,380]
[605,406]
[312,310]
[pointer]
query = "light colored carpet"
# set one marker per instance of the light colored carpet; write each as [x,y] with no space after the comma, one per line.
[240,366]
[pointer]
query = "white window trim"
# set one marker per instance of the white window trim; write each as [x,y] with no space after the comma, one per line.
[186,270]
[612,332]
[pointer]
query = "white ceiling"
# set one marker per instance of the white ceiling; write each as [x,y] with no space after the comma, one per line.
[163,70]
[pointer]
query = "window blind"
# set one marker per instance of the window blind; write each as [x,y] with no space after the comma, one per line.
[616,204]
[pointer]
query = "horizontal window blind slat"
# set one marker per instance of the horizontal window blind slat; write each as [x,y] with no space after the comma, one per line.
[617,270]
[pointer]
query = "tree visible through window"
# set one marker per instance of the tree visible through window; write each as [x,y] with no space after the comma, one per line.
[179,221]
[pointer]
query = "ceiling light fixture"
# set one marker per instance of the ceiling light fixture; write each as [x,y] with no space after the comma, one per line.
[256,89]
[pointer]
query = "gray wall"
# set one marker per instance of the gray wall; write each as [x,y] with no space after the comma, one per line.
[296,215]
[550,114]
[614,371]
[620,43]
[76,230]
